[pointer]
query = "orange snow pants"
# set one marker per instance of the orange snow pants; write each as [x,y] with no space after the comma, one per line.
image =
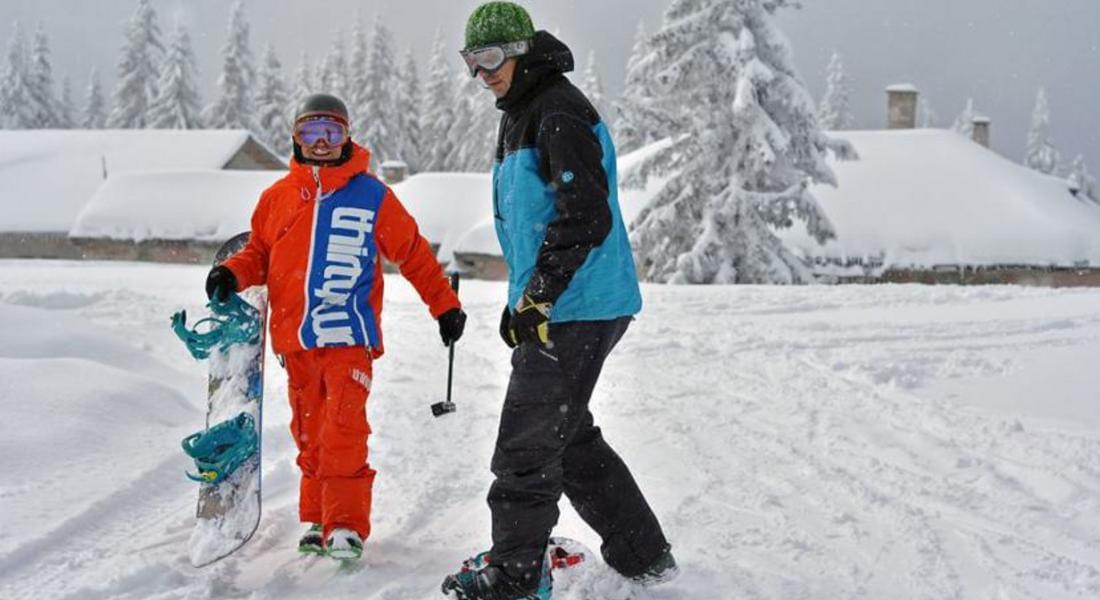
[328,398]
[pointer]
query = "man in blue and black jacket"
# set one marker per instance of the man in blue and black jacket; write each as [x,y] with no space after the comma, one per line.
[572,292]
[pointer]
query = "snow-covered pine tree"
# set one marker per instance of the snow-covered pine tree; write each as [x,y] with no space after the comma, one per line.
[46,106]
[235,108]
[1082,182]
[1041,154]
[378,124]
[437,110]
[177,105]
[66,110]
[637,121]
[408,113]
[272,99]
[304,83]
[926,116]
[835,112]
[17,108]
[964,123]
[95,108]
[357,100]
[137,71]
[749,144]
[473,131]
[592,86]
[334,70]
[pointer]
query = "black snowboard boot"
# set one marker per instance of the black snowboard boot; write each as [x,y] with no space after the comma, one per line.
[491,583]
[663,570]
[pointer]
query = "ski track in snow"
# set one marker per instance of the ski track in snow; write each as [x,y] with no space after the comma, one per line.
[824,442]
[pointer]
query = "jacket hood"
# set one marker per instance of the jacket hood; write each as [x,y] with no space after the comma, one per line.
[547,61]
[332,178]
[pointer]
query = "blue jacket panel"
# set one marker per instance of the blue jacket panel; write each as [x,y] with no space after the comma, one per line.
[605,286]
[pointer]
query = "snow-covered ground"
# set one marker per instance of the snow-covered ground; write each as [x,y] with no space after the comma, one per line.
[813,442]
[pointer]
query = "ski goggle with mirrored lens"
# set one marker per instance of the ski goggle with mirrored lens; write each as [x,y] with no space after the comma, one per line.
[491,58]
[333,132]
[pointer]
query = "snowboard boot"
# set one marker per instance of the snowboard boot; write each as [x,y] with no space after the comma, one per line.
[492,583]
[344,544]
[313,541]
[663,570]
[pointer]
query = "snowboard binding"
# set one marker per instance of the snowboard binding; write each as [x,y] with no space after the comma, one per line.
[218,451]
[233,322]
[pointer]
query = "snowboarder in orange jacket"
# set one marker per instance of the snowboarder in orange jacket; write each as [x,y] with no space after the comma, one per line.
[318,237]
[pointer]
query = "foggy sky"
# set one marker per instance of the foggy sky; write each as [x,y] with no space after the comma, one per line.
[996,51]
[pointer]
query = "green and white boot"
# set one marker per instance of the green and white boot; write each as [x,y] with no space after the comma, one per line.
[313,542]
[344,544]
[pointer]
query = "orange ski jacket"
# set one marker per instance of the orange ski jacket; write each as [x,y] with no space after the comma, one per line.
[317,238]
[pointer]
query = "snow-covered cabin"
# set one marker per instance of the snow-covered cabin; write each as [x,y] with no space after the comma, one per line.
[50,175]
[931,205]
[446,206]
[168,216]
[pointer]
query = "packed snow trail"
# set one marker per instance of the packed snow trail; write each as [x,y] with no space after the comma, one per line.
[824,442]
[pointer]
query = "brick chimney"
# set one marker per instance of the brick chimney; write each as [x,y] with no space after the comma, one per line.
[981,130]
[901,106]
[394,171]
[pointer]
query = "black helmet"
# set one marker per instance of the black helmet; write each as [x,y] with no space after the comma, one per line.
[317,105]
[322,104]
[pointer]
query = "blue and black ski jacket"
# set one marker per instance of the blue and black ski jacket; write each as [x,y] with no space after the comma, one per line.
[555,197]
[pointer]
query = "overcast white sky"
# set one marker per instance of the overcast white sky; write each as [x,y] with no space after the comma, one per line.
[996,51]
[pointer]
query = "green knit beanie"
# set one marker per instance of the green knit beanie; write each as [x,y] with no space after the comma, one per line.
[498,23]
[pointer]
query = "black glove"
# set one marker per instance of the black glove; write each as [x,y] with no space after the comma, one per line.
[220,283]
[506,328]
[451,324]
[531,323]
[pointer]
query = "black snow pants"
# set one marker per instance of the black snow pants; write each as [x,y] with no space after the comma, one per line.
[548,445]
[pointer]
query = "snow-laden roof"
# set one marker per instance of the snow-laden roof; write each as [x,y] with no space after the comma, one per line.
[479,239]
[447,205]
[206,204]
[49,175]
[922,198]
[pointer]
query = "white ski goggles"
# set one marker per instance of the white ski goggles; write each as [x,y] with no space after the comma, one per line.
[491,58]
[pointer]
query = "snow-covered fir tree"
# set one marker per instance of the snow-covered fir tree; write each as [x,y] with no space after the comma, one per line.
[95,108]
[334,71]
[42,88]
[177,105]
[592,86]
[304,83]
[272,99]
[1082,182]
[748,147]
[437,109]
[964,123]
[473,131]
[66,109]
[235,108]
[357,100]
[637,120]
[407,107]
[137,71]
[377,121]
[926,115]
[835,111]
[1041,154]
[17,107]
